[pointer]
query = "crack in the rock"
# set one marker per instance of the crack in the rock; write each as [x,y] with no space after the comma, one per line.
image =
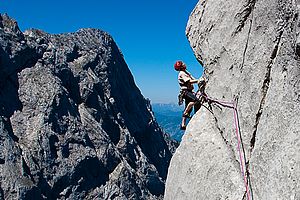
[249,179]
[224,139]
[265,88]
[248,10]
[244,15]
[244,196]
[247,42]
[26,169]
[204,2]
[204,6]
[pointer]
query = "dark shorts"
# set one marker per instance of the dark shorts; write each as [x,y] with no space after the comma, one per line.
[189,96]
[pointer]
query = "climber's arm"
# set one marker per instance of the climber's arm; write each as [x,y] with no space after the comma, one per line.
[192,81]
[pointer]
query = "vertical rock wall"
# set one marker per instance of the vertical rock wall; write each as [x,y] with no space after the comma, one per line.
[250,51]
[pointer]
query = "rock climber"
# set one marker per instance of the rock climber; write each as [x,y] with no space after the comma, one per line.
[186,81]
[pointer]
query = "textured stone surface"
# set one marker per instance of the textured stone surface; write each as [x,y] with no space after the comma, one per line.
[73,124]
[250,50]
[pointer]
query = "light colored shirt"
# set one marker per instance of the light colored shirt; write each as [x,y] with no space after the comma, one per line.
[184,80]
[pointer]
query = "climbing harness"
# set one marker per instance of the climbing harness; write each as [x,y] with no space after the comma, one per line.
[240,148]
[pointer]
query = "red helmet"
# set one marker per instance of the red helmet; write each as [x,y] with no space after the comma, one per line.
[179,65]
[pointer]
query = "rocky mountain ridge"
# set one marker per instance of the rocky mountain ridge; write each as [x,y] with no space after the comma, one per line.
[250,51]
[73,124]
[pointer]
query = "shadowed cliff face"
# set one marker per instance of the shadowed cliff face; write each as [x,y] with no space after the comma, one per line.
[73,124]
[250,51]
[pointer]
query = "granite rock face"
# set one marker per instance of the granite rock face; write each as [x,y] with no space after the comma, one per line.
[250,51]
[73,124]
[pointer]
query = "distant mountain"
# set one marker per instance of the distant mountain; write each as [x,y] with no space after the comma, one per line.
[169,118]
[73,124]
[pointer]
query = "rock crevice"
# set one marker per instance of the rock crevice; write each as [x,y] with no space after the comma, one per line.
[228,144]
[244,15]
[265,88]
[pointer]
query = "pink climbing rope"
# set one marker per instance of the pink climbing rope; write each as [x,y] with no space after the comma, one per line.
[242,159]
[233,105]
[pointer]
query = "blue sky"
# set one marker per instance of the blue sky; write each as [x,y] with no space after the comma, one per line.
[150,34]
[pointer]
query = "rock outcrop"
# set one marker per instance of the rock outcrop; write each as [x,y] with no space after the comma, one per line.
[250,51]
[73,124]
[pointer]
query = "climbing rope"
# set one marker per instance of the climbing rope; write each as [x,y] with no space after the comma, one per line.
[233,105]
